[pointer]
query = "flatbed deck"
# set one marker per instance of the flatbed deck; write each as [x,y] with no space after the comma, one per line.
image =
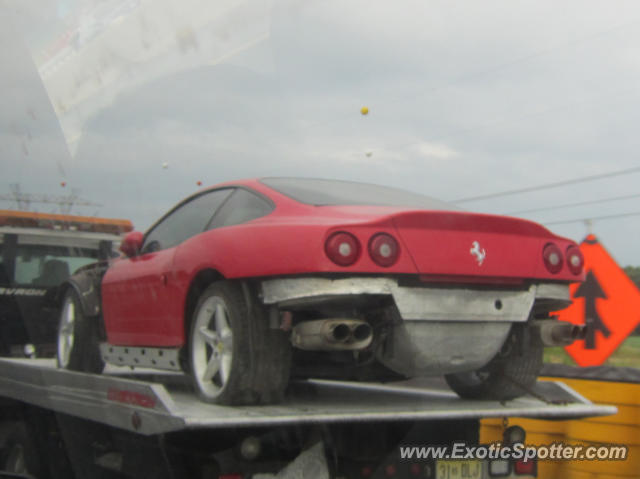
[153,402]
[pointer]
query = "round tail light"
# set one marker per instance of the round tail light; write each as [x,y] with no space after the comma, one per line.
[342,248]
[552,256]
[575,260]
[384,249]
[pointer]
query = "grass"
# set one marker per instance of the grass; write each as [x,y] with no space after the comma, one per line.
[557,355]
[627,355]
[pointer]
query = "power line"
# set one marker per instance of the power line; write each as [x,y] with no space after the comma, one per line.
[595,218]
[570,205]
[549,185]
[24,200]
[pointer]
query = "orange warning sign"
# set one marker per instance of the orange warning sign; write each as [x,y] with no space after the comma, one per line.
[608,303]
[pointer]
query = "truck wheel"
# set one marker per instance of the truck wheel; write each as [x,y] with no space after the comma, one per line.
[510,374]
[78,343]
[20,454]
[233,356]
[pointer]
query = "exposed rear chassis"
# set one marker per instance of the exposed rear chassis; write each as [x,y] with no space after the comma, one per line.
[422,303]
[443,329]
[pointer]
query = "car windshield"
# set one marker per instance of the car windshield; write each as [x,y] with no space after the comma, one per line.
[319,192]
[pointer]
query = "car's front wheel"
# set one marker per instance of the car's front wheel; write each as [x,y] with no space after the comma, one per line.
[78,339]
[234,358]
[511,373]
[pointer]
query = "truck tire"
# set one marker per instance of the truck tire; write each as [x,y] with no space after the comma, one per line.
[511,373]
[234,358]
[78,341]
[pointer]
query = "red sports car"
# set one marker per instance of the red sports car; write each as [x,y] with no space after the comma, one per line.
[246,284]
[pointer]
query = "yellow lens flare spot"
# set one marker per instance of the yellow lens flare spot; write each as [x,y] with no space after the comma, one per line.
[364,110]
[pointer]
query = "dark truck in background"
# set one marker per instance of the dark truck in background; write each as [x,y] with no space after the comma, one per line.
[38,252]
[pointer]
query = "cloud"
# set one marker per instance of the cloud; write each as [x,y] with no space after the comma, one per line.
[463,100]
[434,151]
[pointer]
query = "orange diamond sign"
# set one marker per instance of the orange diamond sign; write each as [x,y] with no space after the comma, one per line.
[608,303]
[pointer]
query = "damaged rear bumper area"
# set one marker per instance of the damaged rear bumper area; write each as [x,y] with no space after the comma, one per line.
[422,303]
[443,329]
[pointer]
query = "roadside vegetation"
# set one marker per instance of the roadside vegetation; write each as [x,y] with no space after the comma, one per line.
[627,355]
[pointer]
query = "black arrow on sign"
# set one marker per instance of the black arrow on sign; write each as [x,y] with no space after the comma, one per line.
[591,290]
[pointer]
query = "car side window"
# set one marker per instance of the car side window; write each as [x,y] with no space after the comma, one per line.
[186,221]
[241,207]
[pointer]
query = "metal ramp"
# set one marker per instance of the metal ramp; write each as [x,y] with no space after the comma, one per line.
[150,402]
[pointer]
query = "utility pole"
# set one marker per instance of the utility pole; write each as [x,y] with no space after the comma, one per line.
[589,225]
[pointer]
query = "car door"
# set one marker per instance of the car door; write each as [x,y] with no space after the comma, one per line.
[140,296]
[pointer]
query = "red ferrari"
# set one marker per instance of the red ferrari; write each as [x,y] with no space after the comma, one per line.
[247,284]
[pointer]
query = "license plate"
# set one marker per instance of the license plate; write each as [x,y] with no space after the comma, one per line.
[459,470]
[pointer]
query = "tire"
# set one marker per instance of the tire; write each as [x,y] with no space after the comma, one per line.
[234,358]
[511,373]
[78,341]
[20,454]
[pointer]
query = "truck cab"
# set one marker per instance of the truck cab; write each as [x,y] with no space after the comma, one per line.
[39,252]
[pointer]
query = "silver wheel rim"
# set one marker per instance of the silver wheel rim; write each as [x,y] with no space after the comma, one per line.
[212,347]
[66,332]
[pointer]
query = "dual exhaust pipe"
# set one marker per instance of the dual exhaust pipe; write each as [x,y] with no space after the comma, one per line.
[558,333]
[332,335]
[353,334]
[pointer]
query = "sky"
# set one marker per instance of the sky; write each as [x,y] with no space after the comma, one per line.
[130,103]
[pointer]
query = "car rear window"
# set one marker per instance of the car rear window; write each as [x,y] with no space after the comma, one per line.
[241,207]
[343,193]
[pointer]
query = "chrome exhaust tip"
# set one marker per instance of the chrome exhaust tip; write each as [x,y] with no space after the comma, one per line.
[558,333]
[340,333]
[362,332]
[333,334]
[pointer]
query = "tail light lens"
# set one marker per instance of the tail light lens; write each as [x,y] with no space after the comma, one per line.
[575,260]
[522,468]
[342,248]
[384,249]
[416,469]
[552,257]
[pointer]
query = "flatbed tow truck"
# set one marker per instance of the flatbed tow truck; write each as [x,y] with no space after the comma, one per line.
[139,423]
[144,423]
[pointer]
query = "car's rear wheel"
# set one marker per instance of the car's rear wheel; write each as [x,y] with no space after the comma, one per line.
[78,340]
[511,373]
[234,358]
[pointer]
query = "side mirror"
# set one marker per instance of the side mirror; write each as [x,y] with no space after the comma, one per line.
[132,243]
